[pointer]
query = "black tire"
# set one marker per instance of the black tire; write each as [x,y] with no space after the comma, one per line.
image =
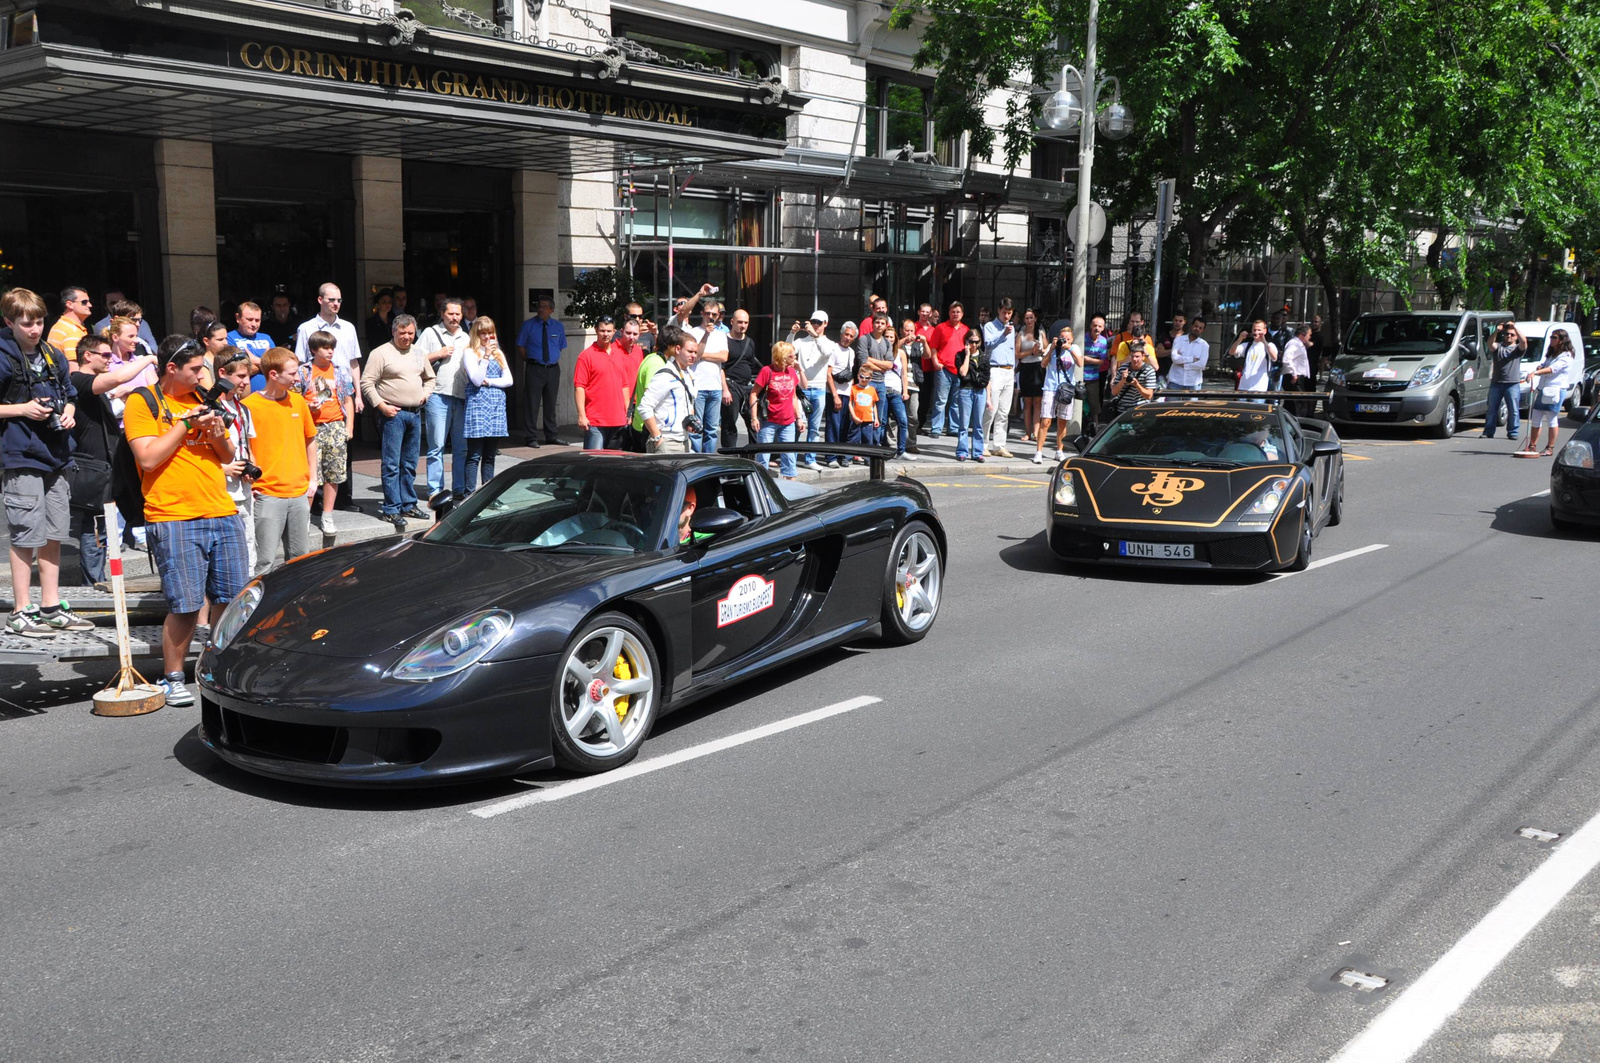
[604,741]
[1336,506]
[1302,556]
[903,625]
[1447,423]
[1559,524]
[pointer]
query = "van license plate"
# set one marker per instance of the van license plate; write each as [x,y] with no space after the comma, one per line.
[1374,407]
[1159,551]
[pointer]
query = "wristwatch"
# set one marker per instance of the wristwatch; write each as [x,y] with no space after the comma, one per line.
[655,439]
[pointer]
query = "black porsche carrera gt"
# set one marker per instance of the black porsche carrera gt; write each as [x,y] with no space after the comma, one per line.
[555,615]
[1200,480]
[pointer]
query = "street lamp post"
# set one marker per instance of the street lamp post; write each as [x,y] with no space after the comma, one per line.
[1066,109]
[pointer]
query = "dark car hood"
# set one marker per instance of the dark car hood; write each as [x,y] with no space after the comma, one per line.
[1171,494]
[403,593]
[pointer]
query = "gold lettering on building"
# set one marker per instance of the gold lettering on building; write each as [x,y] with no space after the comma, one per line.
[332,66]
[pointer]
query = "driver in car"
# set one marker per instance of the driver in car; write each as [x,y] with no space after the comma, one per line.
[684,534]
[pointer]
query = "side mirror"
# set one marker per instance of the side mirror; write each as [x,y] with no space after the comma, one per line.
[714,520]
[1582,413]
[1081,442]
[1323,448]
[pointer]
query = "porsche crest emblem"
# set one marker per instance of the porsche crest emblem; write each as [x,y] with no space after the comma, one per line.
[1165,489]
[321,631]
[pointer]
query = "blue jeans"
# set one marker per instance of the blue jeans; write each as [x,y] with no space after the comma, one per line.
[402,443]
[814,422]
[867,435]
[91,548]
[778,433]
[1511,395]
[603,437]
[446,419]
[967,415]
[891,405]
[941,402]
[707,407]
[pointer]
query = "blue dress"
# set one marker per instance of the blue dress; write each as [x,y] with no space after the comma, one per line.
[486,406]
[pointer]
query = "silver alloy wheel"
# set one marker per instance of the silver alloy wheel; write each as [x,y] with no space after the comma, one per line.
[606,713]
[916,579]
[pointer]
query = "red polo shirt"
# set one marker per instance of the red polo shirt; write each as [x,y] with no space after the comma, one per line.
[603,374]
[926,333]
[947,340]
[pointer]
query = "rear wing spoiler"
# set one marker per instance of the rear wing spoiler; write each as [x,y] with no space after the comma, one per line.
[877,457]
[1271,397]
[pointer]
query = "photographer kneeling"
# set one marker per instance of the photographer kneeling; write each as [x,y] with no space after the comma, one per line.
[195,531]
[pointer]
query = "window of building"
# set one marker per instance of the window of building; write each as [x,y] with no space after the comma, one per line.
[686,44]
[900,116]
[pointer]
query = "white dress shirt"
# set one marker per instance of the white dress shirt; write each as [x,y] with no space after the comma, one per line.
[347,347]
[448,378]
[1189,358]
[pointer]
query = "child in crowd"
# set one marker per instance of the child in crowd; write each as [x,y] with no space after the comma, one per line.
[330,392]
[864,422]
[233,366]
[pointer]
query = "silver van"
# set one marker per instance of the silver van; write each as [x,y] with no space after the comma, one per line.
[1427,368]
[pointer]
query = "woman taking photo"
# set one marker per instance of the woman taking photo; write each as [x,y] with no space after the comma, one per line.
[778,385]
[1063,362]
[1030,370]
[972,397]
[488,377]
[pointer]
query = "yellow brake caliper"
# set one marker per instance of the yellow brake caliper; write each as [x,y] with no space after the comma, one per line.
[622,671]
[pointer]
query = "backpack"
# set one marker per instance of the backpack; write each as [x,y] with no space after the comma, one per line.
[127,489]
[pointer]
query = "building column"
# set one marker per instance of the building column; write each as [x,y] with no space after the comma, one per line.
[188,208]
[536,259]
[380,231]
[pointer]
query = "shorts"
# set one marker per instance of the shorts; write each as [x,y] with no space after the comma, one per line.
[333,454]
[200,558]
[38,507]
[1048,411]
[1536,417]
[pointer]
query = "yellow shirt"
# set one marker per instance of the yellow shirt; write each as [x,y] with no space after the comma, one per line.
[1123,355]
[64,337]
[189,485]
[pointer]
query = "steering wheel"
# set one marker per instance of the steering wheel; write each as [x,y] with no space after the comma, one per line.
[628,531]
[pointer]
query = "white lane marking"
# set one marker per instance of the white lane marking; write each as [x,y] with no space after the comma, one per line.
[645,767]
[1407,1024]
[1347,555]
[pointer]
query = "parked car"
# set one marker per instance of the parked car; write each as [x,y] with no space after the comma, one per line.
[1574,480]
[1422,368]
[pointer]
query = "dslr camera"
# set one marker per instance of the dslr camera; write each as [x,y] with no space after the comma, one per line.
[53,422]
[693,425]
[211,400]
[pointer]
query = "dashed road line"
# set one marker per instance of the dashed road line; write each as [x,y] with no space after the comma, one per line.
[645,767]
[1335,559]
[1416,1015]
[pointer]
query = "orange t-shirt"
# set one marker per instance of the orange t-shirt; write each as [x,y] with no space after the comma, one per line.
[283,428]
[324,384]
[190,484]
[863,403]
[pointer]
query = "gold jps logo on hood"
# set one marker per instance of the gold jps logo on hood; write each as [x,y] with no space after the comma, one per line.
[1165,489]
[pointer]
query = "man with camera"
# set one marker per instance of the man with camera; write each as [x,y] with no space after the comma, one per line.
[1505,380]
[286,448]
[36,407]
[671,420]
[1134,383]
[181,443]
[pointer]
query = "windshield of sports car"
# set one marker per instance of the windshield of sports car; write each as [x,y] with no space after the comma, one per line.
[1191,434]
[1403,334]
[569,508]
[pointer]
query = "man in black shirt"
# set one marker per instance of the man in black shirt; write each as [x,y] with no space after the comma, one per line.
[281,322]
[740,371]
[95,432]
[1505,381]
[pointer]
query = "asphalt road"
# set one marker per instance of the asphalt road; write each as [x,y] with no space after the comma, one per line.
[1095,816]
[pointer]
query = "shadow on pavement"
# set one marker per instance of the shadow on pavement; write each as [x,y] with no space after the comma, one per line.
[30,690]
[1034,555]
[191,754]
[1531,516]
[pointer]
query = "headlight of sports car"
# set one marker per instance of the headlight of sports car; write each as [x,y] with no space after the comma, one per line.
[1425,376]
[1336,376]
[1066,494]
[1577,454]
[236,615]
[1268,501]
[462,643]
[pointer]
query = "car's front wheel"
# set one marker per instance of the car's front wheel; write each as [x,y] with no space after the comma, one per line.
[1302,556]
[1336,504]
[606,695]
[1447,421]
[913,584]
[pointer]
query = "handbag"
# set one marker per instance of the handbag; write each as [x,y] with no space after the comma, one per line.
[90,480]
[1549,398]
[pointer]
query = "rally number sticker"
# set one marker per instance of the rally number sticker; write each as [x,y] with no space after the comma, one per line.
[748,596]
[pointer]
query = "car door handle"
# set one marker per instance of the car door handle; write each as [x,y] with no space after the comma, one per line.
[798,548]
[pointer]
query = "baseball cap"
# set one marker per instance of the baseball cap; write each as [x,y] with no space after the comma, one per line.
[820,315]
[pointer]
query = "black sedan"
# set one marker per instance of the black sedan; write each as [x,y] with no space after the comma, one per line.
[555,615]
[1199,480]
[1574,480]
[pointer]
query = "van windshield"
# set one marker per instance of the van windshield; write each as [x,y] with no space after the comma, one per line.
[1402,334]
